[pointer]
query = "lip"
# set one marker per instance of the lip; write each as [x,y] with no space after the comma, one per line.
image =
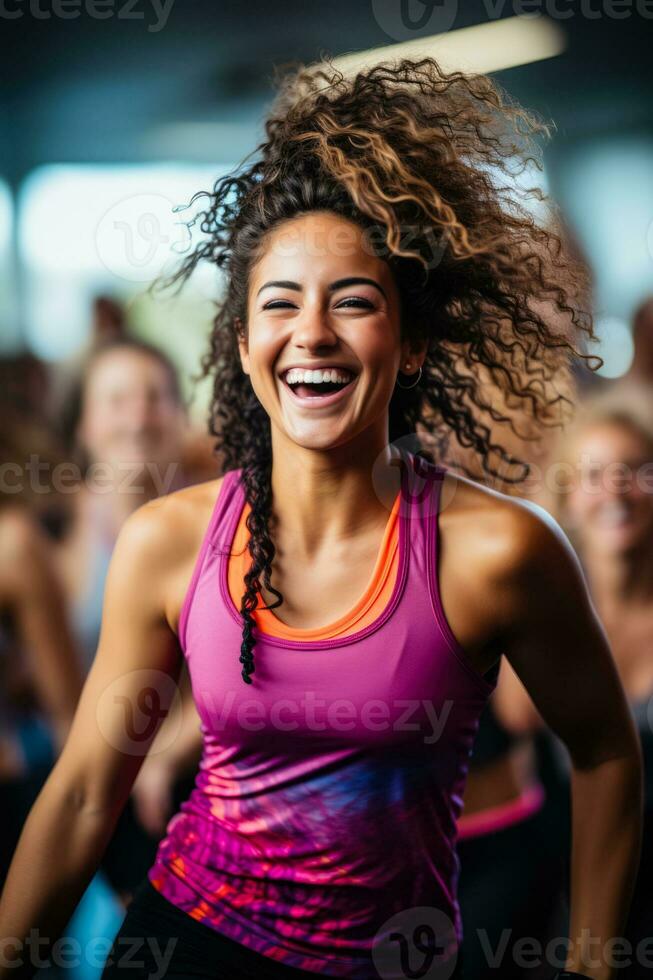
[319,401]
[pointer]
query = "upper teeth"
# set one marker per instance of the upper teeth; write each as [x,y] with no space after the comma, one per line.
[317,376]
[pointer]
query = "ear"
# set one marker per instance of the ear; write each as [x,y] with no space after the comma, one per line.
[414,355]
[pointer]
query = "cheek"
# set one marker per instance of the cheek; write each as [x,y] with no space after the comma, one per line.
[643,501]
[172,428]
[264,348]
[581,504]
[99,426]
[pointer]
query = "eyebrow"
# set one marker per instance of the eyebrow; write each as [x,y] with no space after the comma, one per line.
[338,284]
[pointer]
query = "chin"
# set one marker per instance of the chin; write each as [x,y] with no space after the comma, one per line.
[620,542]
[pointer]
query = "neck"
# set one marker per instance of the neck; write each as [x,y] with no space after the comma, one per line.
[321,498]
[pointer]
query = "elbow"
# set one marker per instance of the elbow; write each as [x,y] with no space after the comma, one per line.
[621,769]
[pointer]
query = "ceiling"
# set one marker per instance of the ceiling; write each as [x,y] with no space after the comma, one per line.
[193,85]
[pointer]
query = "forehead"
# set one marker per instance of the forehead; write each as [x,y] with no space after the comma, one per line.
[319,247]
[611,437]
[122,368]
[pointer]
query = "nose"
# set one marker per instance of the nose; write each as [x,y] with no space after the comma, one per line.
[139,409]
[312,329]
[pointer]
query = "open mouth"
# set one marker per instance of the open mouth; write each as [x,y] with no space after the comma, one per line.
[322,393]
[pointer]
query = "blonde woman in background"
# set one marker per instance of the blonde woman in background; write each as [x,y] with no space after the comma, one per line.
[513,837]
[604,499]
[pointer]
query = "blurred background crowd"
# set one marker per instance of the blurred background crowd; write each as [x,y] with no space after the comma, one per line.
[109,126]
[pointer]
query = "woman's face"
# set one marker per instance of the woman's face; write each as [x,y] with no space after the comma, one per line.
[611,502]
[130,415]
[319,297]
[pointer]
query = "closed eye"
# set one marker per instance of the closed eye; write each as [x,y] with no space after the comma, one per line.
[276,304]
[357,302]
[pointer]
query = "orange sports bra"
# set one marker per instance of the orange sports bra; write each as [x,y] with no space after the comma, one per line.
[368,608]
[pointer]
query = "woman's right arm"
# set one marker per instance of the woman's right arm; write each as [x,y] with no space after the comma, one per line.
[129,690]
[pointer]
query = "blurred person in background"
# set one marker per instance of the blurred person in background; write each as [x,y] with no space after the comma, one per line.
[513,834]
[40,672]
[126,424]
[513,838]
[604,499]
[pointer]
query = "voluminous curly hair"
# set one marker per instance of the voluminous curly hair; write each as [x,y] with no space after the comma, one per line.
[430,159]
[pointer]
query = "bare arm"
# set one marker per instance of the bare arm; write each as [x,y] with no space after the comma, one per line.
[513,705]
[175,752]
[129,690]
[34,592]
[558,649]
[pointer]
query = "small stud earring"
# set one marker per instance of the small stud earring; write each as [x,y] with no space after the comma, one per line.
[419,375]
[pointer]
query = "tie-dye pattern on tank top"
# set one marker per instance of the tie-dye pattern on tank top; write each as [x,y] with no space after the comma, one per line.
[324,809]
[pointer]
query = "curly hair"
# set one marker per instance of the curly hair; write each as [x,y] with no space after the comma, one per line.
[429,159]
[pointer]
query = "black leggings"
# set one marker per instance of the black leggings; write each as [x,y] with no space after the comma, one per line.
[510,889]
[158,940]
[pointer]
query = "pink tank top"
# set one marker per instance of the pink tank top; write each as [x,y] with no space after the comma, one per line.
[324,810]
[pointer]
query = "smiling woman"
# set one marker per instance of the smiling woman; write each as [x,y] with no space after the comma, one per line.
[391,181]
[366,242]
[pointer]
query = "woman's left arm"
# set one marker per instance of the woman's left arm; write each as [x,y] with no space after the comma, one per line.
[557,647]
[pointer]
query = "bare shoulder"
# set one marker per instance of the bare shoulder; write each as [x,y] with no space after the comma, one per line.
[505,533]
[169,529]
[499,555]
[158,546]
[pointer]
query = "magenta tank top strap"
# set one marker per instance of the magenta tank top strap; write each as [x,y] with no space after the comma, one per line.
[213,537]
[432,505]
